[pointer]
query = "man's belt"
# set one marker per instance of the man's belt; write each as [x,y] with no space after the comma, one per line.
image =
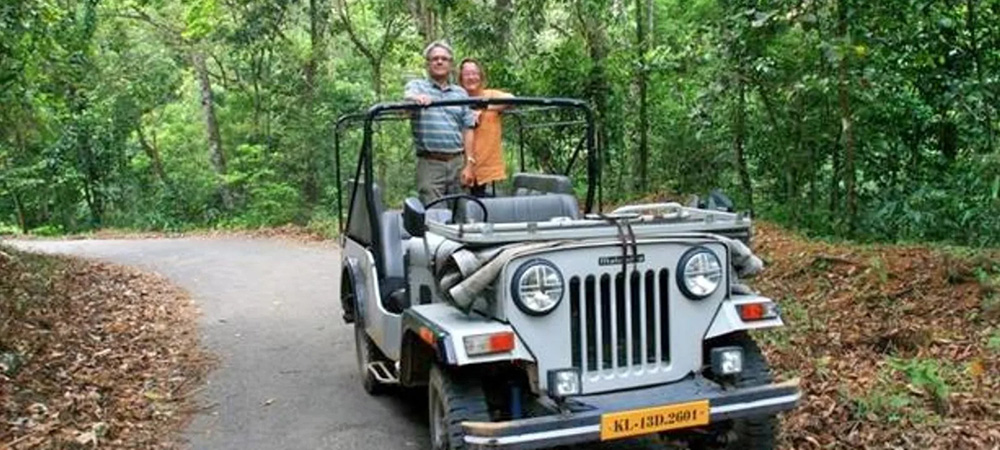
[437,156]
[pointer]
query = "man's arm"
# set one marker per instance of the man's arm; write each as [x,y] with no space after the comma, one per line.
[467,145]
[468,175]
[413,93]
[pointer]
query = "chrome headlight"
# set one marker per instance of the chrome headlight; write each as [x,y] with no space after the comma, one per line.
[537,287]
[699,273]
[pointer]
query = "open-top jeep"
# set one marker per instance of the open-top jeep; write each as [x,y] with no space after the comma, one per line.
[535,324]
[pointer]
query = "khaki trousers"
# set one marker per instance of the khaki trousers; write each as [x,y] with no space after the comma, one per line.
[436,179]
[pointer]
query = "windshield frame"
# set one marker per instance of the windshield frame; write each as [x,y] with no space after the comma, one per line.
[398,111]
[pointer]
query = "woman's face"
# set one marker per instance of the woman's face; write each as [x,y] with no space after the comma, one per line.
[471,78]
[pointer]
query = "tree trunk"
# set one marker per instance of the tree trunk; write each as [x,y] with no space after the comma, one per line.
[503,12]
[154,155]
[971,23]
[376,64]
[215,151]
[317,43]
[317,32]
[590,17]
[424,16]
[85,157]
[642,79]
[846,119]
[20,213]
[739,139]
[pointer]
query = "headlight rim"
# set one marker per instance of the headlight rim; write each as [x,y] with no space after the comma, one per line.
[685,258]
[516,283]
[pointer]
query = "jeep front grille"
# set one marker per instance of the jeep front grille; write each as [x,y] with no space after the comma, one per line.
[619,328]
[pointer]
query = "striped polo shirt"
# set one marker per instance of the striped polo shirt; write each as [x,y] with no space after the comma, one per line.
[439,129]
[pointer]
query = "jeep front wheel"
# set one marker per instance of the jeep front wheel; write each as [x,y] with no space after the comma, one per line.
[752,433]
[451,400]
[367,353]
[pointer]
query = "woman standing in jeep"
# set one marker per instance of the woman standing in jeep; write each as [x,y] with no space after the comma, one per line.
[487,166]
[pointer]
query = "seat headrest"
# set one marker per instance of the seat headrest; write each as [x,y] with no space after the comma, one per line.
[532,208]
[536,183]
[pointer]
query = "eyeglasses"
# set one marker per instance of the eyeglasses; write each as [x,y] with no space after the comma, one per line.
[439,58]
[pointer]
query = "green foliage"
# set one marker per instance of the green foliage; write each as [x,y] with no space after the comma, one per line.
[102,120]
[8,229]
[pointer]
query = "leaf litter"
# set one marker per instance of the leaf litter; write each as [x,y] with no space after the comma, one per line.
[94,355]
[891,342]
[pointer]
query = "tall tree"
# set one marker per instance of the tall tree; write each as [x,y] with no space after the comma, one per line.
[846,116]
[643,21]
[374,48]
[187,39]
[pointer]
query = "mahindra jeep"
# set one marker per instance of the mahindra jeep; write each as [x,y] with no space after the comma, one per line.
[534,322]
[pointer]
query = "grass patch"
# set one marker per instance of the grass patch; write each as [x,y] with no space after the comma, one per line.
[325,225]
[914,390]
[993,342]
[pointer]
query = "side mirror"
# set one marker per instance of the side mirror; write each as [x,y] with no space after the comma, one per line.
[413,217]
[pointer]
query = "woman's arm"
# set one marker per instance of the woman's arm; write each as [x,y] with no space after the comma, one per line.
[501,94]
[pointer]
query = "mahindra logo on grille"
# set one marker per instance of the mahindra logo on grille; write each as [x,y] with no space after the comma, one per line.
[616,260]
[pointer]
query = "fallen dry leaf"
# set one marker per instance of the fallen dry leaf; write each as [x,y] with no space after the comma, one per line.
[93,342]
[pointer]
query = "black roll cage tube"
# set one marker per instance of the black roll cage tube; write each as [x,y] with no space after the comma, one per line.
[396,111]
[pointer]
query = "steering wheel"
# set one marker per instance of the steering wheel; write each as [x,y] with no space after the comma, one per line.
[473,199]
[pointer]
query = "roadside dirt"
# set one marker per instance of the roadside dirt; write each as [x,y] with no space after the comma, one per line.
[291,233]
[897,346]
[93,355]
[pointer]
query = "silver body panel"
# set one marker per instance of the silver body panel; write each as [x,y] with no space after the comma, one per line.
[460,326]
[688,220]
[549,341]
[383,327]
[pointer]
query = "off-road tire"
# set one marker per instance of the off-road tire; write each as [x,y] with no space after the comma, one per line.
[751,433]
[366,352]
[460,399]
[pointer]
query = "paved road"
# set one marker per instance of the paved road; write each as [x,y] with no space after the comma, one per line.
[287,377]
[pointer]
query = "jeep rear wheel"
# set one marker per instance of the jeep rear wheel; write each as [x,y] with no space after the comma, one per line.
[451,400]
[753,433]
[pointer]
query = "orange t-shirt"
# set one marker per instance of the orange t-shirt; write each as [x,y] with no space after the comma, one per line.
[487,139]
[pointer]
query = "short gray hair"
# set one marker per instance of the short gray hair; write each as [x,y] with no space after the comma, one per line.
[437,44]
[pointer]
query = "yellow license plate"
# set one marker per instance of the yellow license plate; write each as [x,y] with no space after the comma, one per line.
[651,420]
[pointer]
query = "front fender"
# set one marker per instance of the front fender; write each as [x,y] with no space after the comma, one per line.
[727,318]
[436,333]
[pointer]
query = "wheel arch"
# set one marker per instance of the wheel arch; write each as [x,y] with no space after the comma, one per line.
[353,292]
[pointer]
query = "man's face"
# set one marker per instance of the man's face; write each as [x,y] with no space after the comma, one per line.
[439,63]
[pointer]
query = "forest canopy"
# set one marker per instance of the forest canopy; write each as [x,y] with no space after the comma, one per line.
[867,120]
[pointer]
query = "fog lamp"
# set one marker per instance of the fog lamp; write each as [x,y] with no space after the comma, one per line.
[727,360]
[564,382]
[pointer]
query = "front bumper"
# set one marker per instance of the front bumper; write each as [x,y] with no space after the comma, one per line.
[583,423]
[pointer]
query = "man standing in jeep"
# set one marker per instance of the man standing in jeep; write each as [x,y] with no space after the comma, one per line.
[441,136]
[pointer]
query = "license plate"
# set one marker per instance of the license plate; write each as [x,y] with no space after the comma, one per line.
[651,420]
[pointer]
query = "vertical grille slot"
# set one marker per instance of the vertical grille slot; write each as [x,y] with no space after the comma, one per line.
[621,333]
[606,321]
[617,324]
[664,312]
[575,319]
[589,314]
[649,327]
